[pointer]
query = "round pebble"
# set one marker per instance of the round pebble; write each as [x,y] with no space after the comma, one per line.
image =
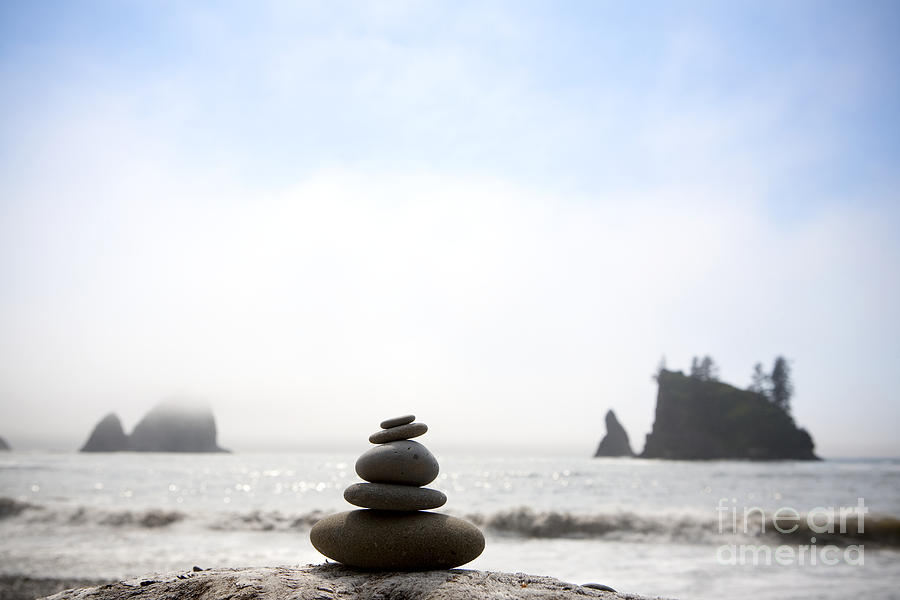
[400,432]
[404,462]
[397,541]
[396,421]
[387,496]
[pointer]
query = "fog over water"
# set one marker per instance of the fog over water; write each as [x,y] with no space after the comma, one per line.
[499,218]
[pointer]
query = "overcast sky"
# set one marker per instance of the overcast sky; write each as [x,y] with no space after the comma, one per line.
[499,216]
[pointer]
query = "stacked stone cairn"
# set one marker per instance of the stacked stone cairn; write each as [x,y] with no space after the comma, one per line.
[394,530]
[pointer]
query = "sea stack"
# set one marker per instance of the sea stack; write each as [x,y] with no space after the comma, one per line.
[171,426]
[615,442]
[107,436]
[394,530]
[176,426]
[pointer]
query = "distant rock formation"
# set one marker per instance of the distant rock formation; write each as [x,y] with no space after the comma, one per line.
[107,436]
[4,445]
[615,442]
[168,427]
[176,427]
[708,419]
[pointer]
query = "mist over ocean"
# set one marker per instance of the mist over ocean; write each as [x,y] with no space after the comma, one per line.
[644,526]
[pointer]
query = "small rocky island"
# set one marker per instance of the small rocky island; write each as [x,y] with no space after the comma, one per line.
[701,418]
[708,419]
[615,442]
[169,427]
[4,445]
[395,531]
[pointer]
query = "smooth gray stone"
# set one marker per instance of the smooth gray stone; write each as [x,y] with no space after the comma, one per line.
[388,496]
[405,462]
[401,432]
[392,541]
[396,421]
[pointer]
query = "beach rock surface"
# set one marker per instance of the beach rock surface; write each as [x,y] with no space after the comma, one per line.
[333,581]
[404,462]
[401,432]
[615,442]
[387,496]
[397,541]
[107,436]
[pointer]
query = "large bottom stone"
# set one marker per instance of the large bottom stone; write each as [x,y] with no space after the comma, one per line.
[392,541]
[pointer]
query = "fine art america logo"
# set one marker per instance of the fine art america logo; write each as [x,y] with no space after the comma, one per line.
[789,522]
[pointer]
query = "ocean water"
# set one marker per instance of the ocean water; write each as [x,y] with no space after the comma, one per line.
[669,528]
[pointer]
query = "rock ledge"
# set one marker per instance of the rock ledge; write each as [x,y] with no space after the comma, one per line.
[333,581]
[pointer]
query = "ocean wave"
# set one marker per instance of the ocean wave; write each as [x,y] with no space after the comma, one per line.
[526,522]
[10,507]
[154,518]
[149,519]
[259,520]
[82,515]
[521,522]
[878,529]
[624,525]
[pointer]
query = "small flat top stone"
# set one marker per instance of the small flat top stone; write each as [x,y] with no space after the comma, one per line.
[400,432]
[397,421]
